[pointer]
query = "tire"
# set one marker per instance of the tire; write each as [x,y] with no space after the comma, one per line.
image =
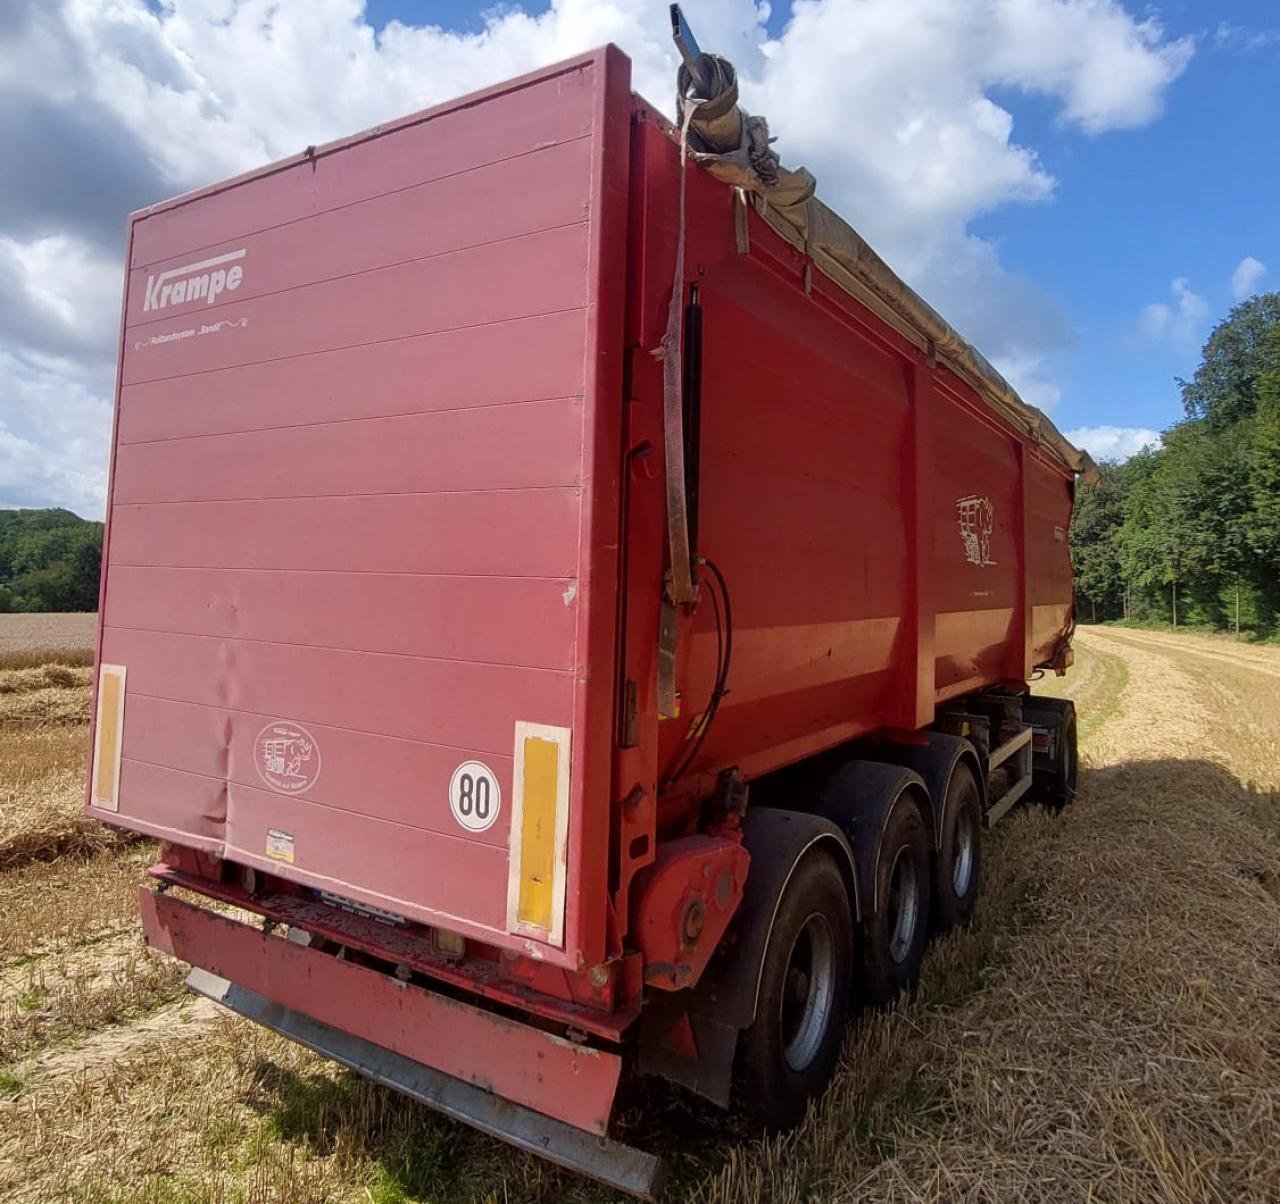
[1055,780]
[895,935]
[788,1055]
[1066,792]
[959,864]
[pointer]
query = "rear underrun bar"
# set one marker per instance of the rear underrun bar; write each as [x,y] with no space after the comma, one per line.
[610,1162]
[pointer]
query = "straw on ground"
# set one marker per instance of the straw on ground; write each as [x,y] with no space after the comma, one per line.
[1109,1029]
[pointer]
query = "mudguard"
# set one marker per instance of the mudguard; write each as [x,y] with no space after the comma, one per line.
[857,797]
[692,1038]
[935,761]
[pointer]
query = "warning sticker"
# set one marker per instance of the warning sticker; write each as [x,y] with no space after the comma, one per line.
[280,845]
[474,797]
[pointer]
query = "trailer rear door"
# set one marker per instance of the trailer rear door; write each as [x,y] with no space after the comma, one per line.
[359,591]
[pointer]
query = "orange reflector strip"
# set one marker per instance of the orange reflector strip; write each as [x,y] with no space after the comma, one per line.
[109,728]
[538,833]
[539,826]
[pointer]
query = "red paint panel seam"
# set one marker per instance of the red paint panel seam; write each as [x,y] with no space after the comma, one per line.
[567,486]
[422,334]
[315,802]
[296,426]
[505,751]
[566,671]
[449,175]
[257,568]
[373,271]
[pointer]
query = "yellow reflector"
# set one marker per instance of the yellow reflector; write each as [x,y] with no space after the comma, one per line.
[538,833]
[539,825]
[106,742]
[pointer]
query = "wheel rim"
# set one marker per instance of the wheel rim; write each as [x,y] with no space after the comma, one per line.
[962,853]
[904,905]
[808,992]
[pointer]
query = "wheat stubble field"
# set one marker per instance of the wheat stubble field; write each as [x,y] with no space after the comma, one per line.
[1108,1031]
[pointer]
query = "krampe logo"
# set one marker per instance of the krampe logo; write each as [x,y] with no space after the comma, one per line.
[203,281]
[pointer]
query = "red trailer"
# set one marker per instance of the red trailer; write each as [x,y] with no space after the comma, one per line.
[575,676]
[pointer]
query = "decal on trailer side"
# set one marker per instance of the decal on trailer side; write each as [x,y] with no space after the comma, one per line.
[975,516]
[287,757]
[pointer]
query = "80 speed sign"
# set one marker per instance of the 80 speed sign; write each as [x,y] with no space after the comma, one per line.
[474,797]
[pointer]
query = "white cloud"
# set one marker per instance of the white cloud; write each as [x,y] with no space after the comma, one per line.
[893,103]
[1181,321]
[1113,442]
[66,292]
[54,429]
[1246,278]
[1229,36]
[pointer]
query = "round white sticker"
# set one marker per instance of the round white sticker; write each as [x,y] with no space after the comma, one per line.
[474,797]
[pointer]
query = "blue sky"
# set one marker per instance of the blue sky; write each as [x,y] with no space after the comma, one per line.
[1189,196]
[1083,187]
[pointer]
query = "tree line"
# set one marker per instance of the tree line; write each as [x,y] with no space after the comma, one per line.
[49,560]
[1189,532]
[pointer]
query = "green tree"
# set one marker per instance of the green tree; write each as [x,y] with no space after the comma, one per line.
[1095,547]
[1240,351]
[49,560]
[1264,473]
[1201,515]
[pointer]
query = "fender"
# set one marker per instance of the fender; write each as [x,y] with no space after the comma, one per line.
[935,761]
[691,1036]
[857,796]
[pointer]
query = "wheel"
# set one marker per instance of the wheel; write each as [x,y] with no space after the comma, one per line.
[894,937]
[1057,766]
[955,888]
[788,1055]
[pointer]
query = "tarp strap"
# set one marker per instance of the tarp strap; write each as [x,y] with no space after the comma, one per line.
[670,352]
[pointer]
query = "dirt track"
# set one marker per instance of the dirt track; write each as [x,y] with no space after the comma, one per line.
[1109,1030]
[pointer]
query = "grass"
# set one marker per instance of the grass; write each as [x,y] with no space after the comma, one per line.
[1099,680]
[1247,635]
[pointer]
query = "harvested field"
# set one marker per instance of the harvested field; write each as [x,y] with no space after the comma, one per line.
[44,711]
[28,641]
[1109,1030]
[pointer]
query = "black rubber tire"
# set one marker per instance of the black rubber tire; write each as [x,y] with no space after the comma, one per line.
[1065,794]
[768,1084]
[886,971]
[963,806]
